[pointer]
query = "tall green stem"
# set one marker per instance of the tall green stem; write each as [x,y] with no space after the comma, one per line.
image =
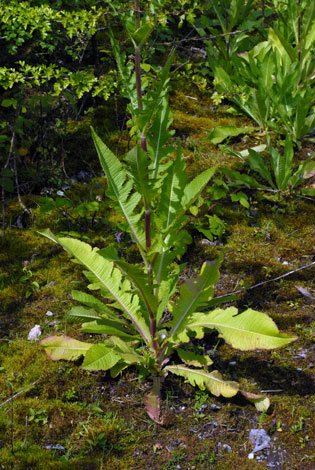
[143,142]
[299,32]
[143,139]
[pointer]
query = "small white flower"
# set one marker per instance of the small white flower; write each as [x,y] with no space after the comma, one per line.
[35,333]
[251,456]
[60,193]
[49,313]
[163,336]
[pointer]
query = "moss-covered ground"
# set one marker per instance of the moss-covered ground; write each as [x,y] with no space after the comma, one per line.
[64,418]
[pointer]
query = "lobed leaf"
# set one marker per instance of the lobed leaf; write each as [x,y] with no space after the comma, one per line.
[246,331]
[172,193]
[135,274]
[78,313]
[110,278]
[100,357]
[194,293]
[158,136]
[193,359]
[212,381]
[126,352]
[89,300]
[120,190]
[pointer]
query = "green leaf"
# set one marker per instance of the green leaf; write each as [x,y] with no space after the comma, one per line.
[7,178]
[6,103]
[117,368]
[167,288]
[136,275]
[310,31]
[196,186]
[219,13]
[241,198]
[100,357]
[48,234]
[193,359]
[129,88]
[154,99]
[64,347]
[241,179]
[126,352]
[172,193]
[108,327]
[158,137]
[90,301]
[245,331]
[120,190]
[282,164]
[279,41]
[110,278]
[257,164]
[139,161]
[219,134]
[141,35]
[145,67]
[79,313]
[211,381]
[194,293]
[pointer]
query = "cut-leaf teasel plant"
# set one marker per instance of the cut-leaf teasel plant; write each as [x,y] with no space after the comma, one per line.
[141,311]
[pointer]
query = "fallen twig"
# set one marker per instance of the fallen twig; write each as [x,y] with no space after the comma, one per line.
[266,282]
[19,393]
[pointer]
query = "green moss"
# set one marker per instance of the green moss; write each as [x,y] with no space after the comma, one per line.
[37,458]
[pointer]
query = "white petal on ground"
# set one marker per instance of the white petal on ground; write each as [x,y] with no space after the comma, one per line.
[35,333]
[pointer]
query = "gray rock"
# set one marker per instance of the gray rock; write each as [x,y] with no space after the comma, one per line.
[260,439]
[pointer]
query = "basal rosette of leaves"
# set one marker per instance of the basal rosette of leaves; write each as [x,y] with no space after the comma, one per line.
[280,180]
[145,311]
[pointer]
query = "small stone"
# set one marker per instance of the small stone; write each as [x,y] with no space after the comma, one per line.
[251,456]
[52,283]
[225,447]
[119,236]
[55,447]
[215,407]
[260,439]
